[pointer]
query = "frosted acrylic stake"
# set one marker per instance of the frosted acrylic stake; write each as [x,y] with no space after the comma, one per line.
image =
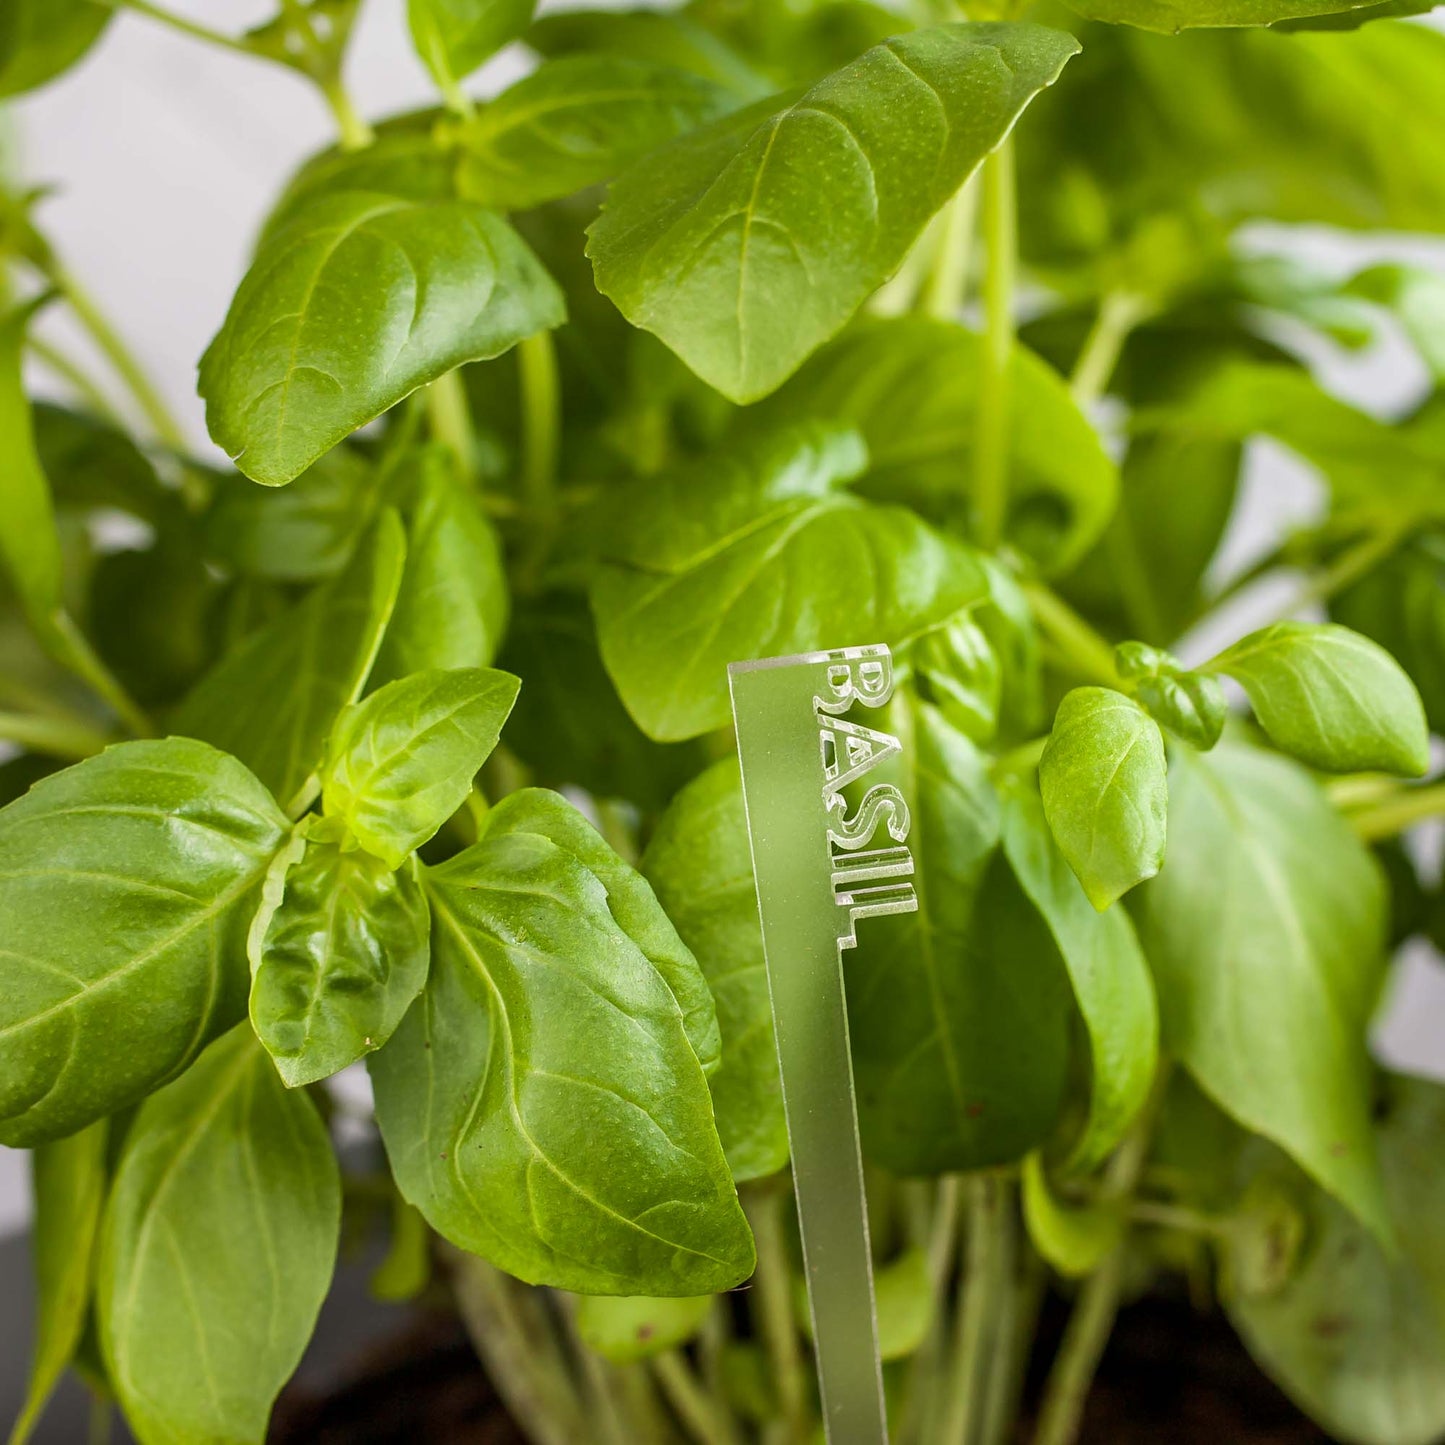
[824,859]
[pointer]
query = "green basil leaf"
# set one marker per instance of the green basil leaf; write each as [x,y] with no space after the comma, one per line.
[1266,932]
[1112,984]
[1417,296]
[700,864]
[903,1295]
[357,301]
[452,608]
[126,884]
[701,566]
[1333,698]
[624,1329]
[747,244]
[960,1064]
[29,543]
[1402,606]
[593,1169]
[301,533]
[1356,1335]
[217,1248]
[1104,781]
[910,385]
[454,37]
[273,699]
[630,900]
[401,762]
[1172,16]
[1074,1239]
[69,1190]
[1190,704]
[40,39]
[338,952]
[574,123]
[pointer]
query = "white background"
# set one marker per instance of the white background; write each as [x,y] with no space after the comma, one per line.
[166,154]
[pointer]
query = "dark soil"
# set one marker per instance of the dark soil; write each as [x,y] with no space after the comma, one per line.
[1170,1377]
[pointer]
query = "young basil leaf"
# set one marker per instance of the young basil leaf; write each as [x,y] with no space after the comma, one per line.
[452,608]
[126,884]
[700,864]
[960,1064]
[1104,781]
[574,123]
[29,544]
[338,951]
[40,39]
[69,1190]
[1355,1334]
[273,699]
[958,671]
[1075,1239]
[401,762]
[747,244]
[454,37]
[910,384]
[1333,698]
[633,1328]
[301,533]
[357,301]
[596,1168]
[1190,704]
[630,900]
[1111,980]
[1266,935]
[1402,606]
[217,1248]
[700,566]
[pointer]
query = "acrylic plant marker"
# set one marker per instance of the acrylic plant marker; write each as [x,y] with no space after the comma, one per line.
[820,869]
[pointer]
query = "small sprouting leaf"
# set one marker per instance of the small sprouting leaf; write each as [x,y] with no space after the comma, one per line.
[272,700]
[1111,980]
[454,37]
[1074,1239]
[355,302]
[217,1248]
[1333,698]
[631,902]
[39,39]
[338,951]
[576,122]
[69,1189]
[1190,704]
[595,1169]
[401,762]
[959,673]
[701,564]
[1104,781]
[452,608]
[701,866]
[747,244]
[627,1328]
[29,545]
[126,885]
[1266,935]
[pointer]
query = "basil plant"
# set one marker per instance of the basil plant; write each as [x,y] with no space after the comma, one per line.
[729,331]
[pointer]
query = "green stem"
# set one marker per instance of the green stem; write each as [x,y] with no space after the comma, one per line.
[120,357]
[1084,1340]
[64,368]
[948,280]
[1119,313]
[1352,564]
[55,737]
[71,648]
[1022,759]
[694,1407]
[541,423]
[181,24]
[601,1405]
[450,417]
[356,134]
[991,430]
[1018,1325]
[968,1381]
[1174,1216]
[772,1294]
[1400,813]
[1088,653]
